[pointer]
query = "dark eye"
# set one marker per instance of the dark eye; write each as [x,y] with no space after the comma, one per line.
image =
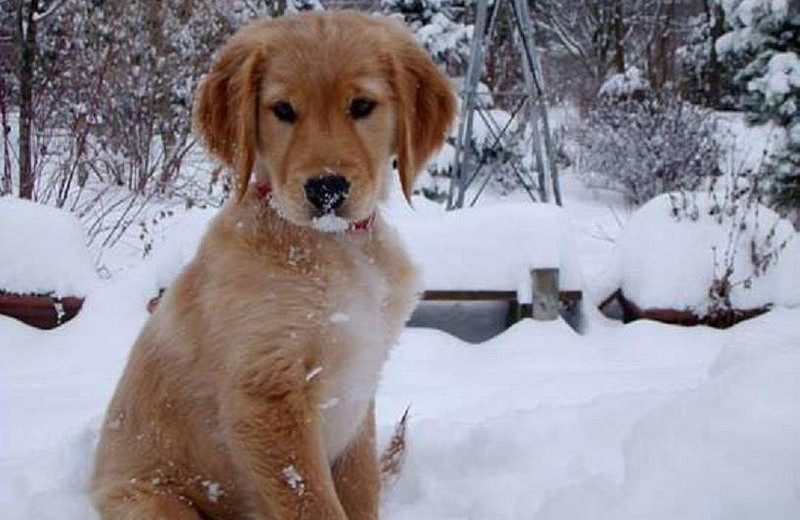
[284,111]
[361,108]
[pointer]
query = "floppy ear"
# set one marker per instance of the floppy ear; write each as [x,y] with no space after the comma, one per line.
[425,108]
[225,111]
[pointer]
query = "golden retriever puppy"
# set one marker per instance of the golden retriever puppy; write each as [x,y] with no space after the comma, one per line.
[249,393]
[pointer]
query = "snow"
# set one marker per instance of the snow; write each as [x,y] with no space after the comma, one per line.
[624,84]
[329,403]
[176,244]
[314,372]
[783,76]
[626,422]
[663,262]
[213,490]
[449,248]
[642,420]
[293,479]
[43,250]
[339,317]
[329,223]
[468,249]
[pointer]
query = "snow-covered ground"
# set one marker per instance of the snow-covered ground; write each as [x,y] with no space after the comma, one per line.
[644,421]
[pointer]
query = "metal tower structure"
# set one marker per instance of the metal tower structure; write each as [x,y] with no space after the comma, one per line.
[528,103]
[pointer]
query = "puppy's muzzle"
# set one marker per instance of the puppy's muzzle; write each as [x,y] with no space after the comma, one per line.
[327,192]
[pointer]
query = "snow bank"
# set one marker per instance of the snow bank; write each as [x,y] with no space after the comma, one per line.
[664,262]
[726,449]
[492,247]
[43,250]
[623,423]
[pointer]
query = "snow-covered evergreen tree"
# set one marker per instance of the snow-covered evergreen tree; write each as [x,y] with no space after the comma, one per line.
[765,35]
[440,26]
[707,78]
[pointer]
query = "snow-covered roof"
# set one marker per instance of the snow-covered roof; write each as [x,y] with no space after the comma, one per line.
[43,249]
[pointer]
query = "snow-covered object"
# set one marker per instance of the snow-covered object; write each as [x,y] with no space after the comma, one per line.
[43,250]
[442,37]
[647,145]
[665,262]
[624,84]
[492,247]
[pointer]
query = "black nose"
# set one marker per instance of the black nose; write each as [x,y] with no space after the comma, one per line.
[327,192]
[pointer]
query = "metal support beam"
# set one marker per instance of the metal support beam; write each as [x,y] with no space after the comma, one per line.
[467,167]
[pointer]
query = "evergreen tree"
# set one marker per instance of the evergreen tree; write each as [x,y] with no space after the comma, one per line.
[439,26]
[765,35]
[707,78]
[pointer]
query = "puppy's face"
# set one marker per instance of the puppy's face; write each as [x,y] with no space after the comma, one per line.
[317,104]
[326,129]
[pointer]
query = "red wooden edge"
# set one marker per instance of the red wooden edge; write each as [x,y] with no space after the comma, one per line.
[40,310]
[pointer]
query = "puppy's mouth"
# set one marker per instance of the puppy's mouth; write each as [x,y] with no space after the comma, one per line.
[332,217]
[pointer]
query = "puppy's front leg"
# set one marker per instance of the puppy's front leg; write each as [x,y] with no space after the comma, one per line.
[356,475]
[276,441]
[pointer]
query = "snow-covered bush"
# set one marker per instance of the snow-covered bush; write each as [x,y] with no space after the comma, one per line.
[113,84]
[735,203]
[43,250]
[646,143]
[728,254]
[765,36]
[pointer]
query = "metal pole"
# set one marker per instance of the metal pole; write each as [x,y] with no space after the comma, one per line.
[455,196]
[549,187]
[535,67]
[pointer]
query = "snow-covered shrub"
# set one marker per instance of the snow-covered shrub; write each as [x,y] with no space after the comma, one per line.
[647,143]
[735,203]
[765,36]
[725,254]
[43,250]
[114,83]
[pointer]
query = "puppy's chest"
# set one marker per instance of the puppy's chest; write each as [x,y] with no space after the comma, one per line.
[356,335]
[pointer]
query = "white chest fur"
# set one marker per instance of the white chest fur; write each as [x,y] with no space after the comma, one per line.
[353,354]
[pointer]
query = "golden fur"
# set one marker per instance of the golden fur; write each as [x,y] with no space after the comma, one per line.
[249,393]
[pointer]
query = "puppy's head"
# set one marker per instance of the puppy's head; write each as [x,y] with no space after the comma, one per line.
[315,105]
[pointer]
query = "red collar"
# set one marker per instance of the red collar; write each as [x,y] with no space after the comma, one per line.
[265,191]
